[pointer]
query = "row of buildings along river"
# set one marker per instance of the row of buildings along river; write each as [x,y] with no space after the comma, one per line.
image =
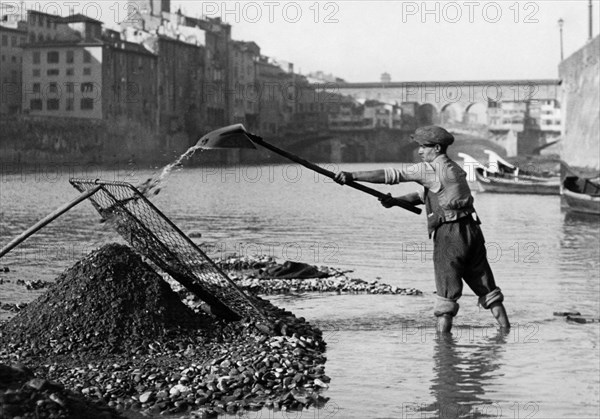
[74,88]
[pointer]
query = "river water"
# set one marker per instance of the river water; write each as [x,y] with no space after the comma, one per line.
[383,355]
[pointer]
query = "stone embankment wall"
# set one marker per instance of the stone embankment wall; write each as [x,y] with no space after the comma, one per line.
[580,74]
[28,140]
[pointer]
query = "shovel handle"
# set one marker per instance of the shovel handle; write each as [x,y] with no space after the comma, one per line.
[402,204]
[48,219]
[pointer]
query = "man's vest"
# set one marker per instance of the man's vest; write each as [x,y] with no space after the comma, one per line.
[436,215]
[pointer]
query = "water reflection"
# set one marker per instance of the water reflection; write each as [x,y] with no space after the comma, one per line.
[580,218]
[462,371]
[580,242]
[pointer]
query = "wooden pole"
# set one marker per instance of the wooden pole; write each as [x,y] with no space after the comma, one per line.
[47,219]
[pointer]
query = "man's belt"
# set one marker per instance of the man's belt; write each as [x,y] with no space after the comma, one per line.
[460,215]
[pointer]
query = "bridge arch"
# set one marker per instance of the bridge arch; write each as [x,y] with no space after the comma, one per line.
[451,113]
[476,113]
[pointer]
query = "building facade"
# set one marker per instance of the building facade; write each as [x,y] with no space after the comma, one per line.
[243,76]
[85,74]
[42,27]
[277,96]
[63,79]
[129,81]
[13,36]
[180,83]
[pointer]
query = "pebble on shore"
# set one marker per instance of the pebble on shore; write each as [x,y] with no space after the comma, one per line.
[338,285]
[111,329]
[25,396]
[36,284]
[244,271]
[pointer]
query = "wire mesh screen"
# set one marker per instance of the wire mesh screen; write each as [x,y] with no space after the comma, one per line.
[153,235]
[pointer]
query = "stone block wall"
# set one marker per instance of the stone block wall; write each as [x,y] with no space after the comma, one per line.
[580,88]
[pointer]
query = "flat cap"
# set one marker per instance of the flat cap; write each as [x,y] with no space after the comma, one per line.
[431,135]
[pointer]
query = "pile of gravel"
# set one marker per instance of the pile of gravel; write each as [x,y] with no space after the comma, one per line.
[109,302]
[112,330]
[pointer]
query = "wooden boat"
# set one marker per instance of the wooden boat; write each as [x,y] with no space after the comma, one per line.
[522,184]
[499,176]
[581,194]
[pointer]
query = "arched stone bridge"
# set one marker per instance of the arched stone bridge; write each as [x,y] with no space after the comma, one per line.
[433,102]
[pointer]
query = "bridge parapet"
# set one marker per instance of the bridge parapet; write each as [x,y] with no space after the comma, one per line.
[442,93]
[486,102]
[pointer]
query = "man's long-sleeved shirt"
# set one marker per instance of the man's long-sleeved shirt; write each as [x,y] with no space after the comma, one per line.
[443,177]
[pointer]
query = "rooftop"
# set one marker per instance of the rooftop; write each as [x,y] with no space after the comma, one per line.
[65,43]
[77,18]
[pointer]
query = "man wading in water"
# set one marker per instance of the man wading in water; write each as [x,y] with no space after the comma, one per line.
[458,244]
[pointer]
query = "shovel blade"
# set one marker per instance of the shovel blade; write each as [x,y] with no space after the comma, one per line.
[231,136]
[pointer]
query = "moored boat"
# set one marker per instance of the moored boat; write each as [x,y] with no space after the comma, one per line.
[582,194]
[503,183]
[499,176]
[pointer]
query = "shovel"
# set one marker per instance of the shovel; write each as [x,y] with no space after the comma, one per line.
[236,136]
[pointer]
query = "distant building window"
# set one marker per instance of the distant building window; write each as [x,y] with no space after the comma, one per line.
[52,104]
[13,59]
[53,88]
[70,105]
[53,57]
[36,72]
[87,57]
[40,37]
[35,104]
[36,87]
[70,71]
[70,57]
[87,104]
[87,87]
[36,57]
[70,88]
[53,72]
[87,71]
[4,40]
[31,37]
[13,41]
